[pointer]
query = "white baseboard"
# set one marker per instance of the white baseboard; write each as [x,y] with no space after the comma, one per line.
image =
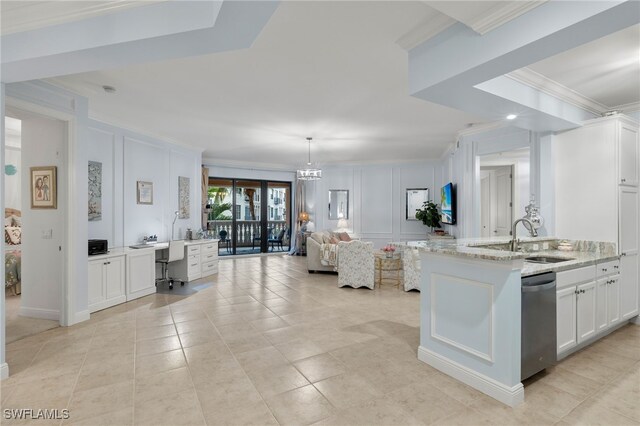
[4,371]
[49,314]
[635,320]
[81,316]
[511,396]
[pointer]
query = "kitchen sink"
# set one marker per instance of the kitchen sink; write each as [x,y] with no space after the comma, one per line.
[547,259]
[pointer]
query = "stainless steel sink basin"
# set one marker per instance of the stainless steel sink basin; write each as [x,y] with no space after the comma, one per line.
[546,259]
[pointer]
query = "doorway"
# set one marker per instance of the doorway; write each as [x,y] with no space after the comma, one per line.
[249,216]
[33,236]
[504,190]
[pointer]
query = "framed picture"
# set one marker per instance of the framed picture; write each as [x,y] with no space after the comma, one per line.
[415,198]
[44,193]
[184,197]
[145,192]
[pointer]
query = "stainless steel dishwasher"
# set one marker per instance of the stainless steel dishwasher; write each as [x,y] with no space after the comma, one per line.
[538,350]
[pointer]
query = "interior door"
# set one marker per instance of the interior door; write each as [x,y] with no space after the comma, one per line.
[504,205]
[485,204]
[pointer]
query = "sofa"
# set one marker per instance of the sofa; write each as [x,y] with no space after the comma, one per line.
[411,267]
[314,250]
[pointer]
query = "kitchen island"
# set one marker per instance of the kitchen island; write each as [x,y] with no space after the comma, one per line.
[470,305]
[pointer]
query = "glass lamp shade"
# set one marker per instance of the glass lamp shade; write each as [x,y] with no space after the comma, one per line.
[342,224]
[303,217]
[309,173]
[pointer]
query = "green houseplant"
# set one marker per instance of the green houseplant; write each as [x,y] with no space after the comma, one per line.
[429,215]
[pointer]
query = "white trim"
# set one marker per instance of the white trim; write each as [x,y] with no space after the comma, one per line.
[553,88]
[53,15]
[68,288]
[49,314]
[4,371]
[424,31]
[490,309]
[511,396]
[501,14]
[84,315]
[630,107]
[481,128]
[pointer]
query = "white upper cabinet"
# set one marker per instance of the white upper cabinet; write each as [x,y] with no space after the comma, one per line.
[629,154]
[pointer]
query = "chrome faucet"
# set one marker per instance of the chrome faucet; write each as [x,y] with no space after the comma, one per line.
[514,238]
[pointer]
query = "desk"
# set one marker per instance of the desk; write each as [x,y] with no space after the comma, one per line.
[127,273]
[390,265]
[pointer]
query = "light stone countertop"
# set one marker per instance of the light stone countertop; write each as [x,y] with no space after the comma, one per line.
[585,253]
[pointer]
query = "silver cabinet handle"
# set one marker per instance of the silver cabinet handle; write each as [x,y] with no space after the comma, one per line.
[623,180]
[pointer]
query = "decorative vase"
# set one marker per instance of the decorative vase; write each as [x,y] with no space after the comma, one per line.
[389,254]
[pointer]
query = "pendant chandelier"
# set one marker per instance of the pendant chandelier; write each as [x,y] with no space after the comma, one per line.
[310,172]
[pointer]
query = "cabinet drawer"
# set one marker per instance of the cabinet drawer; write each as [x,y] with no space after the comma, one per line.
[209,247]
[575,276]
[194,249]
[608,268]
[209,268]
[208,257]
[193,264]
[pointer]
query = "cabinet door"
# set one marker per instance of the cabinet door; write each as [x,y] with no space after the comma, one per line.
[602,316]
[586,311]
[628,283]
[613,300]
[96,282]
[141,274]
[566,318]
[628,148]
[114,282]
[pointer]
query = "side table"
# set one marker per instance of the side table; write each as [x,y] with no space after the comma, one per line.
[391,266]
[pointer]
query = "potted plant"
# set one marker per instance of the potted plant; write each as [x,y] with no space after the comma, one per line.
[429,215]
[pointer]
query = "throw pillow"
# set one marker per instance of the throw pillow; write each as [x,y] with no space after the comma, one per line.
[334,240]
[344,236]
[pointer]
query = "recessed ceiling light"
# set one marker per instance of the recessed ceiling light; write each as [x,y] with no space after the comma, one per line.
[511,117]
[109,89]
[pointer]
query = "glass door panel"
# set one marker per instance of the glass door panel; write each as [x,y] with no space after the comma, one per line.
[248,236]
[220,221]
[278,216]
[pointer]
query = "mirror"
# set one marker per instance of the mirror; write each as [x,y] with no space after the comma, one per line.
[338,204]
[415,198]
[504,191]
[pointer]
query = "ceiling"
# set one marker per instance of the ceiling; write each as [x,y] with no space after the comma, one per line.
[606,70]
[334,71]
[329,70]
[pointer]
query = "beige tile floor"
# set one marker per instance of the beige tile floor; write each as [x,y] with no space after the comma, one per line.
[270,344]
[19,327]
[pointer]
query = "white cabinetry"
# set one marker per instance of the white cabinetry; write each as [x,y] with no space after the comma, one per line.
[566,319]
[141,273]
[106,282]
[200,260]
[586,311]
[600,161]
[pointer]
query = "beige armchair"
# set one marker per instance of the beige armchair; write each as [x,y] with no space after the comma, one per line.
[314,253]
[355,264]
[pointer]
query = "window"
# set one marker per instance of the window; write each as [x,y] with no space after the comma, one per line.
[237,212]
[247,213]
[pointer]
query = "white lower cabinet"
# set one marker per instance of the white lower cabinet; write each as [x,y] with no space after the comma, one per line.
[106,282]
[141,273]
[586,311]
[200,261]
[628,283]
[566,318]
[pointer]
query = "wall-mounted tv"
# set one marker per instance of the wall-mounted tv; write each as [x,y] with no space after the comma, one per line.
[448,204]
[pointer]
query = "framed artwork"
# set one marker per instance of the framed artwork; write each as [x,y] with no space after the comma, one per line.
[415,198]
[44,193]
[145,192]
[95,191]
[184,198]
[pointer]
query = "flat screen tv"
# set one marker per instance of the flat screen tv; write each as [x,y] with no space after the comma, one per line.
[448,204]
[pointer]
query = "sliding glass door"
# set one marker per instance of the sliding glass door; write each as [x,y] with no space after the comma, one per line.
[250,216]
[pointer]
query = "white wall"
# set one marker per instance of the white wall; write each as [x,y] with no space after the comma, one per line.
[128,157]
[43,144]
[377,199]
[460,167]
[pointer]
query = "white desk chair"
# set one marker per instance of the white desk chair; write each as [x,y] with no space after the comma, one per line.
[176,252]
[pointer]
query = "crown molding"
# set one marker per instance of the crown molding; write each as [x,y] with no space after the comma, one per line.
[479,128]
[425,30]
[551,87]
[25,17]
[630,107]
[501,14]
[247,165]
